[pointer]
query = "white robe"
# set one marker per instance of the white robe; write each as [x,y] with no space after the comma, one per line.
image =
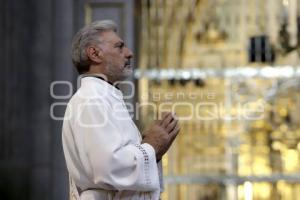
[103,150]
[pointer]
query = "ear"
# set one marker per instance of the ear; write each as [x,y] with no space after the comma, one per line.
[95,54]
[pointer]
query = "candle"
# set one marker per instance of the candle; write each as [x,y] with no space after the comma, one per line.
[285,14]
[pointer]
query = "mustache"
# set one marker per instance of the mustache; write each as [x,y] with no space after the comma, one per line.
[127,62]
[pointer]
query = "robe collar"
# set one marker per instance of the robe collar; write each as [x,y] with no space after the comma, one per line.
[103,85]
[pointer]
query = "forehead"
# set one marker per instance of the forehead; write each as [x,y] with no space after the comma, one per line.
[110,36]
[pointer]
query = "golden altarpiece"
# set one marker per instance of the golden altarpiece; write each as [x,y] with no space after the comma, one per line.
[228,68]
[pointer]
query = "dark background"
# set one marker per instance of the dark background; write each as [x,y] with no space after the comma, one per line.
[35,38]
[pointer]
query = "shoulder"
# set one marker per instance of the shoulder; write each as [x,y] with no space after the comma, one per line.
[89,93]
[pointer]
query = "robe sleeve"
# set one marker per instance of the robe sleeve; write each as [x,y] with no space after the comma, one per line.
[113,163]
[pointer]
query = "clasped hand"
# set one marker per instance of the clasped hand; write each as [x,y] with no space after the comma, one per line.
[161,134]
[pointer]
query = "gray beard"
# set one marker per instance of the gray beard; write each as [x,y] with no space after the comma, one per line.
[120,76]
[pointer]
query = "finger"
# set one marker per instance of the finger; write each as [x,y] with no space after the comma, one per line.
[167,120]
[163,116]
[171,125]
[175,116]
[175,132]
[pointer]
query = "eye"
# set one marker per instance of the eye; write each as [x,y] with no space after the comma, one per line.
[120,46]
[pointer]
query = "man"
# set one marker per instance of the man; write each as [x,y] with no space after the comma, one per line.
[105,153]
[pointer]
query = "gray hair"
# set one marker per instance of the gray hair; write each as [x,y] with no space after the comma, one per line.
[90,34]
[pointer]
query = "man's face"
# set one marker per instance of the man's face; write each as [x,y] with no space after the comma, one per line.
[116,57]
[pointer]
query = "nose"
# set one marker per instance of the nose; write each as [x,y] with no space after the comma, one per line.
[129,53]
